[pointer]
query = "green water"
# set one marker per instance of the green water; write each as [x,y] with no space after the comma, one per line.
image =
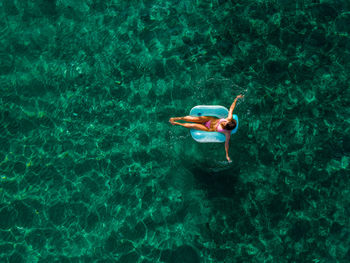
[92,171]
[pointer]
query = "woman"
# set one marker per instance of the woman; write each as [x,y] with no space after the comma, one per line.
[211,124]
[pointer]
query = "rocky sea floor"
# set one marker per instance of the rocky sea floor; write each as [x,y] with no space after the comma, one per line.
[92,171]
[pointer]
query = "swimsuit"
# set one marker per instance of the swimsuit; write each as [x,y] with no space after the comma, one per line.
[218,127]
[207,124]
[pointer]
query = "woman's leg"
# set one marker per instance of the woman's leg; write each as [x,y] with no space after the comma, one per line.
[200,119]
[196,126]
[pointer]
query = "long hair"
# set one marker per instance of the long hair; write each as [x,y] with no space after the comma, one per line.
[231,125]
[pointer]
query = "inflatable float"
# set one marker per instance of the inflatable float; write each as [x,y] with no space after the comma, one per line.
[215,111]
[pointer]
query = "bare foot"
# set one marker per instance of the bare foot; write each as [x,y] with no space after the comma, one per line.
[171,120]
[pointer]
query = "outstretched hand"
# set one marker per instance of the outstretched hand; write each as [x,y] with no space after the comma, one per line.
[240,96]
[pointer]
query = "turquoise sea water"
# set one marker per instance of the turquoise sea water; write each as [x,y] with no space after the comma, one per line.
[92,171]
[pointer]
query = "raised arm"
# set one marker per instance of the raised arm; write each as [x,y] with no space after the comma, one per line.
[229,118]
